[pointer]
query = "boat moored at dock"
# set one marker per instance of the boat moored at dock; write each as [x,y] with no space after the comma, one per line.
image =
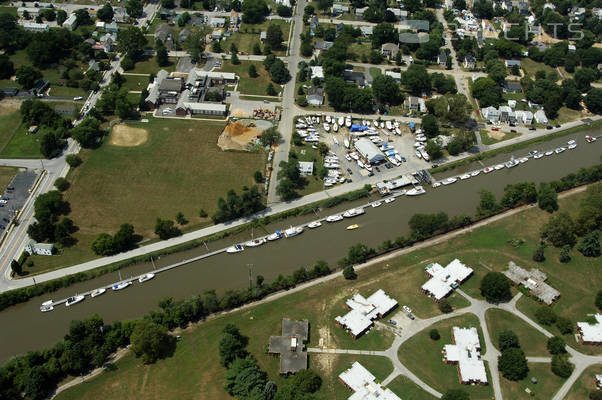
[74,300]
[334,218]
[315,224]
[274,236]
[416,191]
[255,242]
[293,231]
[146,277]
[98,292]
[121,285]
[47,306]
[237,248]
[354,212]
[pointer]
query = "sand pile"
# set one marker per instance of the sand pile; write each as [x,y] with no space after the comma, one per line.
[237,136]
[126,136]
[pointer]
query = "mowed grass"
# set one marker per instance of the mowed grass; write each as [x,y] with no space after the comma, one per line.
[135,82]
[585,384]
[10,119]
[150,66]
[246,84]
[22,144]
[423,356]
[531,67]
[6,176]
[533,342]
[179,168]
[406,389]
[545,388]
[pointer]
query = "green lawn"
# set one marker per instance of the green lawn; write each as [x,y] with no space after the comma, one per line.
[406,389]
[22,144]
[60,90]
[530,67]
[10,119]
[150,66]
[135,82]
[248,36]
[179,168]
[246,84]
[545,388]
[6,175]
[585,384]
[8,10]
[531,340]
[423,356]
[375,71]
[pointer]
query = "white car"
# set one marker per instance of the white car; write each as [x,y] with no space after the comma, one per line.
[407,309]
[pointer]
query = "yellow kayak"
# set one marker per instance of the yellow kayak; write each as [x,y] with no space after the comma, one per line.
[352,227]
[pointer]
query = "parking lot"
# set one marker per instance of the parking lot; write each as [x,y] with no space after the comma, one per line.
[15,195]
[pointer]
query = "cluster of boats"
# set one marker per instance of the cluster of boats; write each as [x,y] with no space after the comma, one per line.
[420,145]
[49,305]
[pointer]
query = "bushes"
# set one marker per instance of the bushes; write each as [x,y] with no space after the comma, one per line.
[590,245]
[73,160]
[513,364]
[508,340]
[434,334]
[561,366]
[349,273]
[61,184]
[495,287]
[556,345]
[545,315]
[444,306]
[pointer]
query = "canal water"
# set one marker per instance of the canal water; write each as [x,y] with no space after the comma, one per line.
[24,327]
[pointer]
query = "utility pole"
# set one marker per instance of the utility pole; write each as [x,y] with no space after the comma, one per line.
[250,268]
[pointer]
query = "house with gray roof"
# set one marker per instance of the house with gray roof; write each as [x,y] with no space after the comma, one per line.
[315,96]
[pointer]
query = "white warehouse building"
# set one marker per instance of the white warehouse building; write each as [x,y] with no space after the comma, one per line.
[369,151]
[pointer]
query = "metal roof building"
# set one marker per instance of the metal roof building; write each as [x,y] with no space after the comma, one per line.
[362,383]
[466,353]
[591,334]
[369,151]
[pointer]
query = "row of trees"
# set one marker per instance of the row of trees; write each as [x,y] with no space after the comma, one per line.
[51,224]
[235,206]
[123,240]
[52,127]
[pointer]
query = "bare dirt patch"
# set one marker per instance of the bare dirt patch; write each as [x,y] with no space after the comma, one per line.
[126,136]
[237,112]
[238,135]
[497,135]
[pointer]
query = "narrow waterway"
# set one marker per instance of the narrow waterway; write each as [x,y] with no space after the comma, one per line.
[24,327]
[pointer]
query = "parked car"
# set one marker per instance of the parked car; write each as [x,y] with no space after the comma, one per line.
[513,130]
[411,316]
[532,128]
[392,322]
[406,309]
[549,127]
[350,171]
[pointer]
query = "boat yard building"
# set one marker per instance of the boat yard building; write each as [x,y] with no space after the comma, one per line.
[359,380]
[534,281]
[591,333]
[365,311]
[387,187]
[466,353]
[290,346]
[444,280]
[369,151]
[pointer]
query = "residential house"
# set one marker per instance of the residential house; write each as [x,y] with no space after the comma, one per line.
[366,30]
[363,311]
[442,58]
[167,15]
[263,36]
[315,96]
[411,103]
[35,27]
[356,77]
[164,90]
[339,9]
[533,281]
[339,29]
[523,7]
[41,249]
[196,20]
[32,12]
[597,12]
[540,117]
[313,25]
[506,114]
[234,21]
[549,6]
[491,114]
[469,61]
[572,48]
[512,87]
[526,117]
[71,22]
[466,353]
[163,33]
[389,49]
[323,45]
[511,63]
[400,14]
[360,11]
[394,75]
[216,34]
[120,15]
[112,27]
[183,35]
[316,72]
[577,13]
[217,22]
[444,280]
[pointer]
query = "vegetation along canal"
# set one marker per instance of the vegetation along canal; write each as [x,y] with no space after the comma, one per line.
[25,328]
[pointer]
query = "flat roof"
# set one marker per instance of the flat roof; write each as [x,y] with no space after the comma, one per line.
[363,384]
[364,311]
[591,333]
[442,279]
[466,352]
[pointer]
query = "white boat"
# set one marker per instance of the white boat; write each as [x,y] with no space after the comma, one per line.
[146,277]
[436,184]
[389,200]
[328,119]
[549,152]
[314,224]
[538,156]
[398,157]
[74,300]
[487,170]
[397,131]
[415,191]
[335,140]
[382,124]
[120,286]
[275,236]
[418,154]
[98,292]
[388,125]
[475,173]
[590,139]
[523,160]
[375,123]
[360,164]
[334,218]
[368,167]
[560,150]
[376,204]
[449,181]
[354,156]
[511,163]
[421,138]
[47,306]
[348,122]
[255,242]
[347,157]
[465,176]
[326,127]
[425,155]
[572,146]
[346,143]
[353,212]
[331,165]
[335,127]
[293,231]
[498,167]
[341,121]
[571,142]
[237,248]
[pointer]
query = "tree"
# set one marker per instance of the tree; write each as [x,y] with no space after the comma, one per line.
[559,230]
[433,149]
[564,325]
[278,72]
[547,198]
[7,69]
[513,364]
[105,13]
[165,229]
[349,273]
[444,306]
[27,76]
[231,345]
[38,384]
[82,17]
[102,245]
[545,315]
[180,218]
[88,132]
[384,33]
[274,36]
[131,40]
[270,90]
[495,287]
[590,245]
[487,204]
[16,267]
[456,394]
[508,340]
[430,126]
[254,11]
[270,137]
[386,90]
[253,71]
[556,345]
[134,8]
[61,184]
[538,254]
[73,160]
[61,16]
[284,11]
[358,254]
[162,56]
[150,341]
[434,334]
[561,365]
[565,254]
[416,78]
[51,145]
[244,379]
[194,44]
[593,101]
[234,59]
[202,213]
[168,4]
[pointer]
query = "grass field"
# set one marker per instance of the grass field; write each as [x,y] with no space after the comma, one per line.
[150,66]
[487,140]
[406,389]
[135,82]
[246,84]
[179,168]
[192,372]
[424,357]
[22,144]
[585,384]
[6,175]
[10,119]
[248,36]
[531,67]
[545,388]
[531,340]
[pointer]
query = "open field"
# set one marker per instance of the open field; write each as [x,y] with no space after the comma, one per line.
[545,388]
[248,36]
[22,144]
[530,67]
[424,357]
[246,84]
[406,389]
[531,340]
[119,183]
[135,82]
[585,384]
[10,119]
[491,137]
[150,66]
[6,175]
[192,372]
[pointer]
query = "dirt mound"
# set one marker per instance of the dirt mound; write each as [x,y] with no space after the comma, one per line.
[237,136]
[497,135]
[126,136]
[237,112]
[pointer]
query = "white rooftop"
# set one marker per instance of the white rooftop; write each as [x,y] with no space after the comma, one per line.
[364,311]
[317,72]
[466,352]
[215,74]
[361,381]
[442,279]
[591,333]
